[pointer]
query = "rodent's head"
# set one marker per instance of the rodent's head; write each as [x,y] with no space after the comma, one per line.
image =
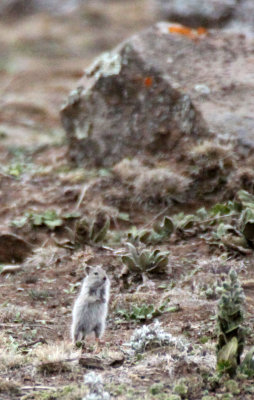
[96,277]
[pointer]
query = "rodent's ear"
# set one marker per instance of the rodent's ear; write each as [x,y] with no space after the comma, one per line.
[88,270]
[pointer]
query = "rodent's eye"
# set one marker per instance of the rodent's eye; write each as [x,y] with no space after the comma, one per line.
[95,273]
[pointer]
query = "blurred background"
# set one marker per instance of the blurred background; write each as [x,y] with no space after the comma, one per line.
[44,48]
[46,44]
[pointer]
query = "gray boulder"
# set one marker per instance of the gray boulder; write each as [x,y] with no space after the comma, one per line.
[125,106]
[161,91]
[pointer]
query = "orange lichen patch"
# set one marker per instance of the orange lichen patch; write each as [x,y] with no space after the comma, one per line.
[186,31]
[181,30]
[202,31]
[148,81]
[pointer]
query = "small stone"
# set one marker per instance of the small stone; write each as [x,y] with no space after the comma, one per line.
[202,89]
[10,269]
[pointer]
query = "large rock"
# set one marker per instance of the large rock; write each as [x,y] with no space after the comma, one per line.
[125,106]
[196,13]
[147,95]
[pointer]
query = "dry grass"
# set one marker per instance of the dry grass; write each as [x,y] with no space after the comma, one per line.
[9,358]
[44,257]
[243,178]
[12,313]
[9,387]
[128,170]
[160,185]
[70,392]
[210,153]
[127,299]
[53,358]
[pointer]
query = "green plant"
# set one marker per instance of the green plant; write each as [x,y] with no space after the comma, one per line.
[50,218]
[181,388]
[247,224]
[247,366]
[144,311]
[39,295]
[232,386]
[13,344]
[159,233]
[184,222]
[163,229]
[210,292]
[145,261]
[246,199]
[139,235]
[229,320]
[231,238]
[15,169]
[156,388]
[246,221]
[94,230]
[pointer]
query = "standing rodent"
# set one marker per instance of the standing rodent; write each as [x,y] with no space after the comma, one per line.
[91,306]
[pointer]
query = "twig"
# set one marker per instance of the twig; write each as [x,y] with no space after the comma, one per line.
[82,195]
[38,387]
[215,218]
[156,216]
[44,326]
[59,362]
[42,340]
[23,323]
[10,325]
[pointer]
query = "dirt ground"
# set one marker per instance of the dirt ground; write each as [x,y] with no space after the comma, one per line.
[42,59]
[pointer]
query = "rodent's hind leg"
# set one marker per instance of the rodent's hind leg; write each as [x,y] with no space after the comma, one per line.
[98,330]
[79,336]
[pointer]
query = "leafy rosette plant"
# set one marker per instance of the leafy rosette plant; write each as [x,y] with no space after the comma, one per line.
[247,215]
[145,261]
[160,232]
[229,323]
[91,231]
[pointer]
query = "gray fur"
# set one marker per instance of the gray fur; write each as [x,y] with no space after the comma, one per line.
[91,306]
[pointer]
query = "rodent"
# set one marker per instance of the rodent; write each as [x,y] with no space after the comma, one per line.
[91,306]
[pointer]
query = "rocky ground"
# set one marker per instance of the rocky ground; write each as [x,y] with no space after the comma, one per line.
[69,200]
